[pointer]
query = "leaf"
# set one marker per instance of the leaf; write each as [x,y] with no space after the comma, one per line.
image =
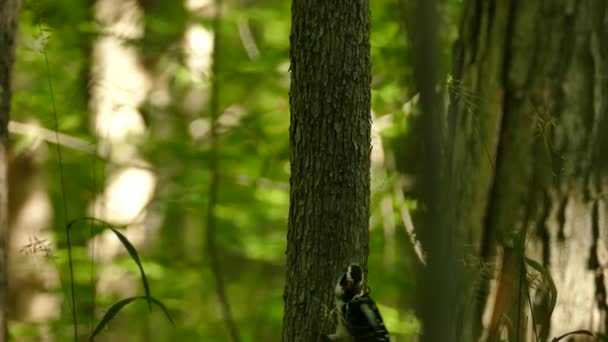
[133,253]
[547,279]
[128,246]
[116,307]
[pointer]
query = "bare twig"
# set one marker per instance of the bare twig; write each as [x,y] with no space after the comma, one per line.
[404,211]
[51,136]
[73,143]
[247,39]
[576,332]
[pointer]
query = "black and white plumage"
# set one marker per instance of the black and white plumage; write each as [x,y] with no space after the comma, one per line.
[359,319]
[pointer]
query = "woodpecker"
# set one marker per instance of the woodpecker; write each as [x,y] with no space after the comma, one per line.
[359,319]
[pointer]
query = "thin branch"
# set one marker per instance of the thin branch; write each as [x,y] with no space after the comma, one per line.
[50,136]
[247,39]
[575,332]
[404,211]
[76,144]
[210,234]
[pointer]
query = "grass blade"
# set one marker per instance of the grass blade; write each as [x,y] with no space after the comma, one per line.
[548,280]
[133,253]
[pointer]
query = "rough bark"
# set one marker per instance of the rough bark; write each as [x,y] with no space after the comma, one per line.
[529,116]
[9,12]
[330,157]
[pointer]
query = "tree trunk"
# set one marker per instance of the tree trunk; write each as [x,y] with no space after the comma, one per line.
[528,116]
[9,16]
[330,157]
[438,302]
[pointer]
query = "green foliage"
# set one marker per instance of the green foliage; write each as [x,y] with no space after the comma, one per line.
[125,243]
[253,160]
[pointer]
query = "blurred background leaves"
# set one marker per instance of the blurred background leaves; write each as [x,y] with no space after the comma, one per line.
[170,41]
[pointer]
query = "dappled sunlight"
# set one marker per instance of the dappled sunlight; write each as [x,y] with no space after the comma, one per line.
[198,47]
[569,276]
[199,128]
[31,253]
[197,5]
[32,220]
[127,193]
[117,281]
[124,202]
[378,124]
[231,117]
[42,308]
[388,188]
[121,85]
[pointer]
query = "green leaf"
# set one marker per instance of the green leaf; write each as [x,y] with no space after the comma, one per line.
[133,253]
[128,246]
[547,279]
[116,307]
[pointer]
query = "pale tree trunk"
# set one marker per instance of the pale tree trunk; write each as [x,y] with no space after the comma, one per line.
[9,16]
[121,84]
[529,118]
[330,157]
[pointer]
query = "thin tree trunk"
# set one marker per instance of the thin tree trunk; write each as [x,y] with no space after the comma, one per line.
[330,158]
[529,115]
[439,303]
[9,16]
[211,248]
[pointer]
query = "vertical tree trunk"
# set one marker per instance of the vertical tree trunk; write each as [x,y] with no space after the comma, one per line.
[438,302]
[529,115]
[330,157]
[9,16]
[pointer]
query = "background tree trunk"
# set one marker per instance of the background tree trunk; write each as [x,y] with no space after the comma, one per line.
[529,115]
[438,301]
[330,157]
[9,13]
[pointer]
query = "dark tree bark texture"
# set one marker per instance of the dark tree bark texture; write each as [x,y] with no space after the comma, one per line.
[529,113]
[330,157]
[9,13]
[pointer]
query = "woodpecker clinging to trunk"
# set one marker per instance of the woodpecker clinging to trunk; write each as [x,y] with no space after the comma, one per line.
[359,319]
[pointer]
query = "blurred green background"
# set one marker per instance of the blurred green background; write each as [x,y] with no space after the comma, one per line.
[130,97]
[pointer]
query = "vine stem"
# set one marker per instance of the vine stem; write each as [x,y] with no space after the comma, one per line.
[63,192]
[210,233]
